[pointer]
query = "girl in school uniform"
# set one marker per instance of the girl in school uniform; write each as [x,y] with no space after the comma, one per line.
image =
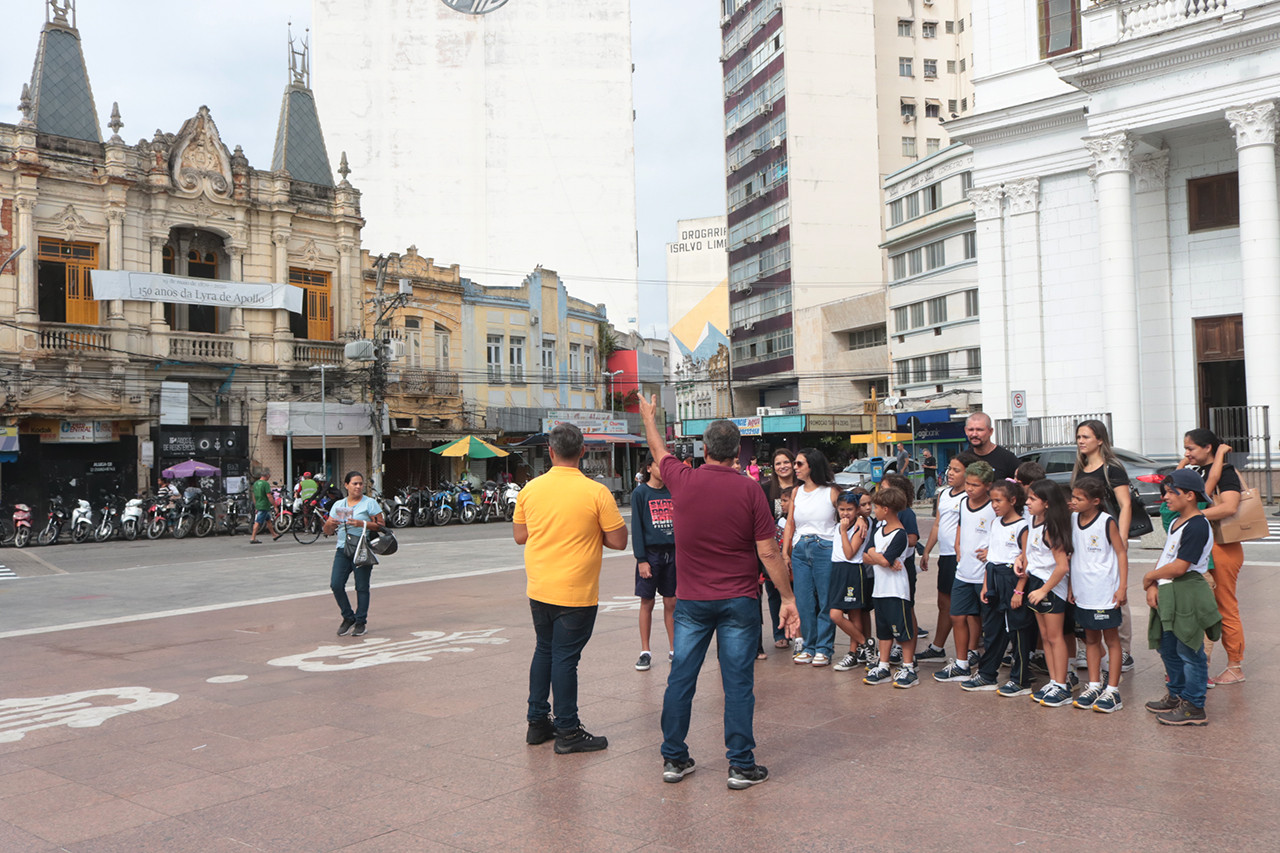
[850,595]
[1099,581]
[1047,558]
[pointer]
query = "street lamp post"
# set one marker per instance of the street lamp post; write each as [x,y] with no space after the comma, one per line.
[324,425]
[610,376]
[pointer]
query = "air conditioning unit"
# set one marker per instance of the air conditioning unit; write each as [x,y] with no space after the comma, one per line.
[742,287]
[733,167]
[928,2]
[725,20]
[533,318]
[776,142]
[766,109]
[761,411]
[754,238]
[747,327]
[395,350]
[907,118]
[771,231]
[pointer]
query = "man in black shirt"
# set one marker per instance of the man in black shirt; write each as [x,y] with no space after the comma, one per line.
[978,430]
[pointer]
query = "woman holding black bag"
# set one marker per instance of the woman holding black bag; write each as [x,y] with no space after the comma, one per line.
[357,516]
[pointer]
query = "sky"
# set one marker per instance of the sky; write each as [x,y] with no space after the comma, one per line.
[161,65]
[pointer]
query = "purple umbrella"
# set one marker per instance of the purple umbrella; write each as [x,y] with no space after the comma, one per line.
[191,468]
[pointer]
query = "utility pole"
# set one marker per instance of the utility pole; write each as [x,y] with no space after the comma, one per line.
[378,374]
[324,427]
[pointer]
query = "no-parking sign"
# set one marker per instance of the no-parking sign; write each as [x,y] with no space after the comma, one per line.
[1018,405]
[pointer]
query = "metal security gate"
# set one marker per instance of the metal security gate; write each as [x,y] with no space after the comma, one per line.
[1248,430]
[1047,431]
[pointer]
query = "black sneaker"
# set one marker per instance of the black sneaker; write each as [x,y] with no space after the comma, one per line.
[745,777]
[974,659]
[952,672]
[1007,660]
[895,654]
[644,661]
[978,684]
[847,663]
[1073,680]
[345,627]
[1012,688]
[921,633]
[540,731]
[359,629]
[1185,714]
[674,771]
[930,653]
[1056,696]
[1127,662]
[579,740]
[1039,664]
[1168,703]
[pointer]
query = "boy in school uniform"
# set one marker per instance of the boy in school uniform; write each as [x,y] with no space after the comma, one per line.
[1183,609]
[891,598]
[973,533]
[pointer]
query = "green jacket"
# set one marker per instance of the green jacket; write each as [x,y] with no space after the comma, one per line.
[1187,608]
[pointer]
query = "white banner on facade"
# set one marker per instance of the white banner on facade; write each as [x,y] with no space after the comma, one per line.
[588,426]
[332,419]
[158,287]
[174,403]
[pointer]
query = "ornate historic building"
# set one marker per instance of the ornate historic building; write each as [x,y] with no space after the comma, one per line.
[203,259]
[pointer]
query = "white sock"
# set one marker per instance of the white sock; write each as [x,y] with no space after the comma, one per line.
[934,648]
[1095,685]
[1111,689]
[960,664]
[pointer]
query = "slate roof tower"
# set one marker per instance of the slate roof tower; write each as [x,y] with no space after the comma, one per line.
[60,100]
[299,142]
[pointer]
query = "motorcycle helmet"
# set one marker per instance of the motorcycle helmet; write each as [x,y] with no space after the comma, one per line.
[383,543]
[306,475]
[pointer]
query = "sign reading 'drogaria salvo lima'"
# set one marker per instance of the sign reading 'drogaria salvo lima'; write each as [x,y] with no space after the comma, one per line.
[158,287]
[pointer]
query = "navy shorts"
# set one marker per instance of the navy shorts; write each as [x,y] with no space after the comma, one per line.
[966,599]
[893,619]
[850,588]
[263,516]
[946,573]
[1052,603]
[1098,620]
[662,574]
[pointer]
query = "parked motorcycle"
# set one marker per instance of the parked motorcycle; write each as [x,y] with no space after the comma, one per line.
[464,502]
[401,514]
[109,523]
[132,519]
[441,505]
[81,521]
[282,512]
[509,494]
[159,517]
[236,511]
[57,520]
[21,525]
[490,506]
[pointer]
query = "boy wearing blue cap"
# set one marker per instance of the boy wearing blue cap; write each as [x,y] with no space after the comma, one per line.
[1183,609]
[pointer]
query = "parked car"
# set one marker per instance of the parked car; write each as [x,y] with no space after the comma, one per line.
[1059,461]
[859,474]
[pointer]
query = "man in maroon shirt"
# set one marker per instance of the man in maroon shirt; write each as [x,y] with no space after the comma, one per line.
[723,525]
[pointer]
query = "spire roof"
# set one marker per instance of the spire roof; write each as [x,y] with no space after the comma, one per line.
[300,146]
[61,100]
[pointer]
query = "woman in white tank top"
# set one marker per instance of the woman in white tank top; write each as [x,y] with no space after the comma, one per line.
[806,543]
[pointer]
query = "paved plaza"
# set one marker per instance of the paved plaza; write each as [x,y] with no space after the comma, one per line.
[255,728]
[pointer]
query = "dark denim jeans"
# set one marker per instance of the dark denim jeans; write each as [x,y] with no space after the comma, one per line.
[1187,668]
[735,622]
[342,569]
[811,565]
[562,633]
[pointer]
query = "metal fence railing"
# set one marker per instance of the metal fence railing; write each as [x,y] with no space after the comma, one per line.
[1047,431]
[1248,430]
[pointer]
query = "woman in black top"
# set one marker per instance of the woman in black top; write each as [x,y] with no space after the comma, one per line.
[783,477]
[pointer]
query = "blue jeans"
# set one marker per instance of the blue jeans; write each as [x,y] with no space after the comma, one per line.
[342,569]
[775,607]
[735,622]
[930,483]
[811,566]
[1187,668]
[562,634]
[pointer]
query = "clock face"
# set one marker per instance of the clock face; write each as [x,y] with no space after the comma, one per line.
[474,7]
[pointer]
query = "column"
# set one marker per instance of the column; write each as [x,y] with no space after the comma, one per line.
[1024,314]
[280,240]
[987,203]
[349,284]
[159,327]
[1255,127]
[236,273]
[28,307]
[1160,401]
[115,260]
[1117,285]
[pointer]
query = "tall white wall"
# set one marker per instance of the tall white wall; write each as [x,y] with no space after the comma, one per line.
[498,141]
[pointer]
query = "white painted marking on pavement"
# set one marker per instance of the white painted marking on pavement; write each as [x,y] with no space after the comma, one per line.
[19,716]
[378,651]
[226,679]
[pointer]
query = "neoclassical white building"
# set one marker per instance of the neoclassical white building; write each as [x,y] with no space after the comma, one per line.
[1125,192]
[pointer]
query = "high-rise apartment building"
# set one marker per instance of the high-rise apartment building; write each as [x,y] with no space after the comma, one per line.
[501,130]
[821,97]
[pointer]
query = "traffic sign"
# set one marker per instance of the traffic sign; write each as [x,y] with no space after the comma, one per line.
[1018,405]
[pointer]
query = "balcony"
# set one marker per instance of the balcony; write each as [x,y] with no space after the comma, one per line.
[426,383]
[1113,21]
[193,346]
[317,352]
[64,338]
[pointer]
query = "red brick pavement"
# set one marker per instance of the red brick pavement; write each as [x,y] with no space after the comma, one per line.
[428,754]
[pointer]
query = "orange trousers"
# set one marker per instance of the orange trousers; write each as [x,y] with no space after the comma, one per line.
[1227,562]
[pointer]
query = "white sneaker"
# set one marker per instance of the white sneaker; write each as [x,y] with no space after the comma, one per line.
[797,645]
[821,660]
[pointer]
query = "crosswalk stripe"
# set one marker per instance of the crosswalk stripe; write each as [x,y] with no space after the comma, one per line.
[6,572]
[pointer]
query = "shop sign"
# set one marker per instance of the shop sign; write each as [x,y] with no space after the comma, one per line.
[82,432]
[205,442]
[590,426]
[748,426]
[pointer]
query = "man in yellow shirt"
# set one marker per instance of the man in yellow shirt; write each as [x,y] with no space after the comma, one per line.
[563,519]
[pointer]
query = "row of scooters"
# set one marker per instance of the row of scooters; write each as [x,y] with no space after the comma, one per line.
[200,514]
